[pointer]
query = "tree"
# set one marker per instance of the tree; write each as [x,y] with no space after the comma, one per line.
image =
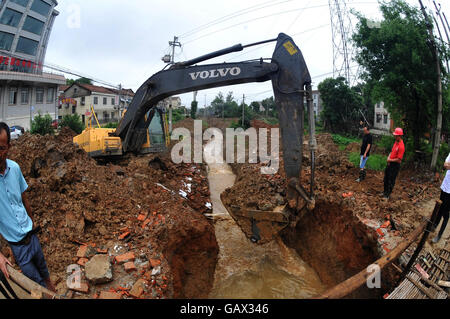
[72,121]
[82,80]
[341,105]
[42,125]
[194,106]
[397,59]
[270,107]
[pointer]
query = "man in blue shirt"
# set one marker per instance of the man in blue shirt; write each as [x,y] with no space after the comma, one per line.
[16,224]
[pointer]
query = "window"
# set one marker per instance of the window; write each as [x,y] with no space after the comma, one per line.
[385,118]
[83,100]
[13,96]
[24,95]
[33,25]
[11,17]
[95,100]
[73,109]
[41,7]
[112,101]
[39,95]
[105,101]
[6,40]
[27,46]
[23,3]
[50,95]
[378,118]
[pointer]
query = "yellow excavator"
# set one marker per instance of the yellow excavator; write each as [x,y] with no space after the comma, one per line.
[291,84]
[101,142]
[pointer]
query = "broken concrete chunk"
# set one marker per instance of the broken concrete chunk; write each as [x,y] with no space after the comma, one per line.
[156,271]
[99,270]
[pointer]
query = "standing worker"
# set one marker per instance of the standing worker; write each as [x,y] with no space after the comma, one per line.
[393,163]
[16,224]
[365,153]
[445,198]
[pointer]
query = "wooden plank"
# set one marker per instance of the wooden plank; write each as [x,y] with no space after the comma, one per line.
[353,283]
[29,285]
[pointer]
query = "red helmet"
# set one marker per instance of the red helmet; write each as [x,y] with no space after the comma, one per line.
[398,132]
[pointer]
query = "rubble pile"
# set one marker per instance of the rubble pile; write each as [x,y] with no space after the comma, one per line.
[93,213]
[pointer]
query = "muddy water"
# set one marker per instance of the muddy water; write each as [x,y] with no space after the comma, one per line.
[246,270]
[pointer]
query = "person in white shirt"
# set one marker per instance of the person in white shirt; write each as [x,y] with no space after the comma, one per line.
[445,198]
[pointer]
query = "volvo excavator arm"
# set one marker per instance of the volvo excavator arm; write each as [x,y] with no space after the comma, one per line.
[291,84]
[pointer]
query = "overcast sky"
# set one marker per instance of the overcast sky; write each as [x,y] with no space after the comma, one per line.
[122,42]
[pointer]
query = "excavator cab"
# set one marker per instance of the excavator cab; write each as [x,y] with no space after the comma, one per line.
[101,142]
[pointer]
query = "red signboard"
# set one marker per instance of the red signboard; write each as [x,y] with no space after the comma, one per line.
[67,101]
[6,60]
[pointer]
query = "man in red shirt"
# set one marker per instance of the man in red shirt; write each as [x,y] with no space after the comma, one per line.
[393,163]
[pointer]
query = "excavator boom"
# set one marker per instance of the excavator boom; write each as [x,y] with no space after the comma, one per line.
[291,84]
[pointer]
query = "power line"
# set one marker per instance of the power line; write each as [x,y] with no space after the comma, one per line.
[264,17]
[231,16]
[254,19]
[265,45]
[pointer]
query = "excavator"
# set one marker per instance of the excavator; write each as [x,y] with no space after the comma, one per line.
[291,83]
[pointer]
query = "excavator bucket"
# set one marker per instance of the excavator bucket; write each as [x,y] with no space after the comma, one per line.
[260,226]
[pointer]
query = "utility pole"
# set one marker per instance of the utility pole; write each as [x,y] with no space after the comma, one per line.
[174,44]
[243,109]
[437,136]
[438,12]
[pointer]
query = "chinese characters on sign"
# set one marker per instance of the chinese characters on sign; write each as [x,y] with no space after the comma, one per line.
[5,60]
[68,101]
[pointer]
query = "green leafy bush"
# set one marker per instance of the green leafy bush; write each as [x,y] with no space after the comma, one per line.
[74,122]
[42,125]
[111,125]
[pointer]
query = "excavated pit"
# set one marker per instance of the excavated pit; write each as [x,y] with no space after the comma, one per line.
[337,245]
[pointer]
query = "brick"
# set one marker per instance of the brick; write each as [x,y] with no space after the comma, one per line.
[86,251]
[121,259]
[84,288]
[125,234]
[138,288]
[155,262]
[109,295]
[142,217]
[146,222]
[82,261]
[82,251]
[130,266]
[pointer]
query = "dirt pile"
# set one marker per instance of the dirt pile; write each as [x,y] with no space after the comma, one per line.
[80,202]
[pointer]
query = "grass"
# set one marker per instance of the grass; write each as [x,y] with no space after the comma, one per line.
[343,141]
[375,162]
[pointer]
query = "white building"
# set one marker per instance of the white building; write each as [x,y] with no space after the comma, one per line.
[382,120]
[78,99]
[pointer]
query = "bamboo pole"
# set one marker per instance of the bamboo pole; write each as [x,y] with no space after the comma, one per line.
[353,283]
[29,285]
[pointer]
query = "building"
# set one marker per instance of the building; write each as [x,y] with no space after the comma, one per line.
[107,103]
[174,102]
[382,120]
[25,90]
